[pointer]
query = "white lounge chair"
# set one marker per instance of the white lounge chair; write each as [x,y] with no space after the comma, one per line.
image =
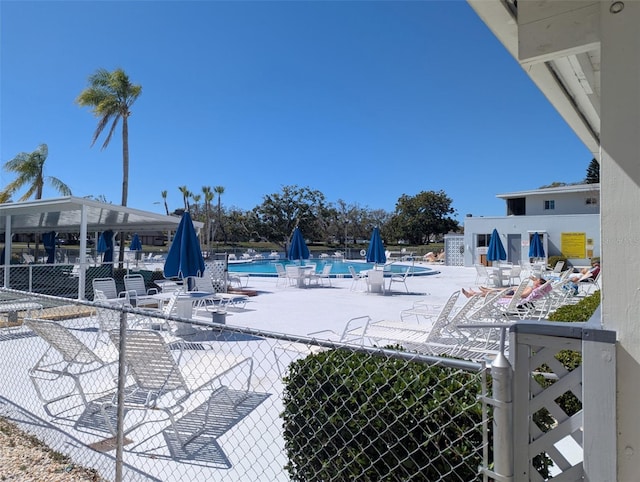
[66,357]
[160,384]
[204,284]
[557,269]
[587,286]
[422,310]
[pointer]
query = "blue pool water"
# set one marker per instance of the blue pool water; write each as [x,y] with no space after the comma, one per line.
[339,268]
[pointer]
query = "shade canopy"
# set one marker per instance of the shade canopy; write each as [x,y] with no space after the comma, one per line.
[185,256]
[135,245]
[49,241]
[298,248]
[536,250]
[496,250]
[375,251]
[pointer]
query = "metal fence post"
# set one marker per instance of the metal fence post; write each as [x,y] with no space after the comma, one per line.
[122,375]
[502,389]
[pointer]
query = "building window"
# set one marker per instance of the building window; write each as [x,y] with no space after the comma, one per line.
[548,205]
[516,207]
[592,200]
[483,240]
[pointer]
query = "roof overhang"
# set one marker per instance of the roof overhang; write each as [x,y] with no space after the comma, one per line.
[595,187]
[558,45]
[65,215]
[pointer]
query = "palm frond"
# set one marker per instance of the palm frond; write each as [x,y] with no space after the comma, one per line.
[59,186]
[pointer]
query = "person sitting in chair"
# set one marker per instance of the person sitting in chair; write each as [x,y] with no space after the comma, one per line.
[507,293]
[586,275]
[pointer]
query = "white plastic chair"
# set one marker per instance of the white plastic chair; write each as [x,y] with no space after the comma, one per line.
[400,278]
[108,288]
[137,292]
[515,274]
[356,278]
[282,274]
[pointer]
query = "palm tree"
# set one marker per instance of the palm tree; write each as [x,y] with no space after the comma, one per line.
[110,95]
[196,199]
[185,196]
[208,197]
[219,190]
[164,199]
[30,170]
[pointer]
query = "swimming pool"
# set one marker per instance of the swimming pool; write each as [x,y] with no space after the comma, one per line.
[339,268]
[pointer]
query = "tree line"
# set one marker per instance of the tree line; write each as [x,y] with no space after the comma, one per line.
[416,220]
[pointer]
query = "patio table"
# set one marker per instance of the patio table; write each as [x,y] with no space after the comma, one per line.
[184,307]
[375,281]
[501,275]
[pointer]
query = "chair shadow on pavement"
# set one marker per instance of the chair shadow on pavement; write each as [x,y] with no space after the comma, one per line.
[229,407]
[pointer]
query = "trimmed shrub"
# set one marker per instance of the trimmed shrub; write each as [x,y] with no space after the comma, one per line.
[581,311]
[352,416]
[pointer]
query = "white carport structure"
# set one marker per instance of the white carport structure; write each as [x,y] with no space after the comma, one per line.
[77,215]
[585,57]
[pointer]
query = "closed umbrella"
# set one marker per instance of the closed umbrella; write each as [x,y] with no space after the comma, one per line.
[185,256]
[536,250]
[49,241]
[375,251]
[105,246]
[298,249]
[136,246]
[496,250]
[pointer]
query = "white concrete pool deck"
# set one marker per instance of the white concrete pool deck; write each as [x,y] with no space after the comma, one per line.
[253,447]
[288,309]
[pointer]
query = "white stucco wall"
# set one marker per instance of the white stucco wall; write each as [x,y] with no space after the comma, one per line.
[552,226]
[565,203]
[620,194]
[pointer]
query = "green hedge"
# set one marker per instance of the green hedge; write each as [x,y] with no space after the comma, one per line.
[581,311]
[354,416]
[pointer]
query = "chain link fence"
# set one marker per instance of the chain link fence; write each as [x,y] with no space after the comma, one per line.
[227,403]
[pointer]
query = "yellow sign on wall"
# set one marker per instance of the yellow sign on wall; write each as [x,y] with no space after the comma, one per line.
[573,245]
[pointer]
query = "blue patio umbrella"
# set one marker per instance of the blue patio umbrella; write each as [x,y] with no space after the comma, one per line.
[496,250]
[536,250]
[375,251]
[185,256]
[49,241]
[105,246]
[135,245]
[298,248]
[102,244]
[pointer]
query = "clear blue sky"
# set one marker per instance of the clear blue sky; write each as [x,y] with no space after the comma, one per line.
[363,101]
